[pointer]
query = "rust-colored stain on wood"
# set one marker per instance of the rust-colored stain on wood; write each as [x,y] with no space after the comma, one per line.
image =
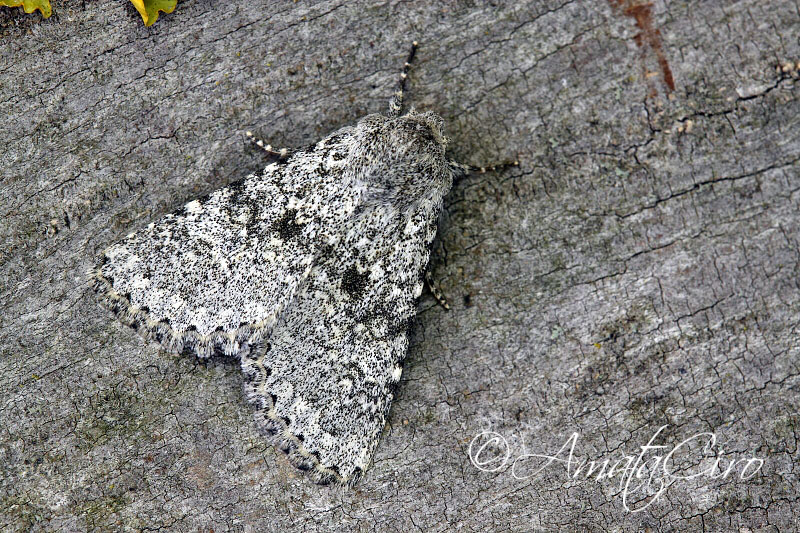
[649,36]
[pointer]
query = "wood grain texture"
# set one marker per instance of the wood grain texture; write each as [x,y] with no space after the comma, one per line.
[640,268]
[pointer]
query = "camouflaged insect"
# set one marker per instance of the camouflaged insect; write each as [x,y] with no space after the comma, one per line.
[308,273]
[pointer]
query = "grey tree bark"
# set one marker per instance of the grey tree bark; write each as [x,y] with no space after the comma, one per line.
[640,269]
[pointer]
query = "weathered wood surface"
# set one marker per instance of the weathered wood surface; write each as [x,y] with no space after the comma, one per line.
[641,267]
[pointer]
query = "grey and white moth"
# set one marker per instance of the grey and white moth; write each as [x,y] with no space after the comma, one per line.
[308,273]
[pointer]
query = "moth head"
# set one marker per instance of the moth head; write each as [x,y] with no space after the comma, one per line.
[401,161]
[427,126]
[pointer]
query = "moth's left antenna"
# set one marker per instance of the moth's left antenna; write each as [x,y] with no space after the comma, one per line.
[396,103]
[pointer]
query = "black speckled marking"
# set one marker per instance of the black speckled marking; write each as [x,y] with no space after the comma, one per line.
[353,282]
[287,227]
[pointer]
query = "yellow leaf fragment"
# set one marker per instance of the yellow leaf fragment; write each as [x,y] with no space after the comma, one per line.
[30,5]
[149,9]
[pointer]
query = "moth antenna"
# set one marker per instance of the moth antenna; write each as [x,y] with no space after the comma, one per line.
[396,103]
[438,294]
[282,153]
[462,169]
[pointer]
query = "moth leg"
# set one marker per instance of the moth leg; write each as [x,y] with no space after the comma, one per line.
[435,290]
[396,103]
[282,153]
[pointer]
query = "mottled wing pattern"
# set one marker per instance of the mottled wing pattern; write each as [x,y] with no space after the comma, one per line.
[324,385]
[216,274]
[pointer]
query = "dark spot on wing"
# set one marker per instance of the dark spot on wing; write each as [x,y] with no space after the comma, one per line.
[353,282]
[287,227]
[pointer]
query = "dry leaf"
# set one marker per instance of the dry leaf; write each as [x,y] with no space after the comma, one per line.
[29,5]
[149,9]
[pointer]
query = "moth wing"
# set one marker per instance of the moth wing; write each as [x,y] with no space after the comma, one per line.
[217,273]
[324,385]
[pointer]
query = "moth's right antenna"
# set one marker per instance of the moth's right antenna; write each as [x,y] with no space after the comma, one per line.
[396,103]
[462,169]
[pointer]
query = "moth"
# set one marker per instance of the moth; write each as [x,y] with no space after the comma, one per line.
[307,273]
